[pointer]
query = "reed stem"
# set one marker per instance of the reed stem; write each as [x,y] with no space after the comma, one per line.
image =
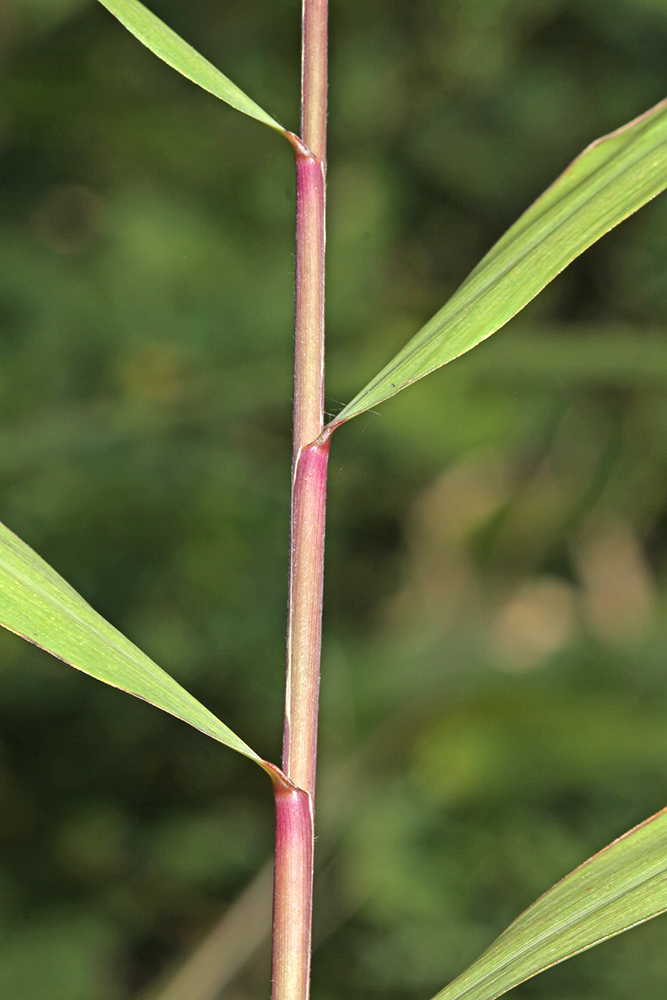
[295,795]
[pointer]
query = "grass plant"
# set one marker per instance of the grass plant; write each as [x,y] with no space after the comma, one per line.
[626,882]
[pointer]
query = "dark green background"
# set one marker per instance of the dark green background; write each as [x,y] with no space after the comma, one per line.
[494,688]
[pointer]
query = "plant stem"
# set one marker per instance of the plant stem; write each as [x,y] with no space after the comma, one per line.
[308,411]
[292,892]
[295,794]
[305,615]
[309,455]
[295,813]
[314,40]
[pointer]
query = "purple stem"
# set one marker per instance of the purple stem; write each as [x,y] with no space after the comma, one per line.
[292,892]
[304,635]
[309,299]
[295,788]
[295,814]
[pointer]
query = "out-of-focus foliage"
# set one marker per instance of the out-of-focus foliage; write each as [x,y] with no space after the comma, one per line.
[494,690]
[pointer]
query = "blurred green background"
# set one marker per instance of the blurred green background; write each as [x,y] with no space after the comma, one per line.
[495,649]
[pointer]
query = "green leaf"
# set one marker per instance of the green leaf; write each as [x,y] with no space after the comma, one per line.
[609,181]
[37,604]
[624,885]
[176,52]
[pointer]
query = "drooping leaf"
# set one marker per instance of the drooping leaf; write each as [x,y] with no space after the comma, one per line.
[176,52]
[36,603]
[609,181]
[622,886]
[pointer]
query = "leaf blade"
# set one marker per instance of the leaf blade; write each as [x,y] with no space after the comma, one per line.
[610,180]
[40,606]
[623,885]
[177,53]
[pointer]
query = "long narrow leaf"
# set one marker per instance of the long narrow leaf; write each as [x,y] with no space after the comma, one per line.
[609,181]
[622,886]
[36,603]
[176,52]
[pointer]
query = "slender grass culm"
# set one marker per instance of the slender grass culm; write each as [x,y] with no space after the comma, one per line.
[626,882]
